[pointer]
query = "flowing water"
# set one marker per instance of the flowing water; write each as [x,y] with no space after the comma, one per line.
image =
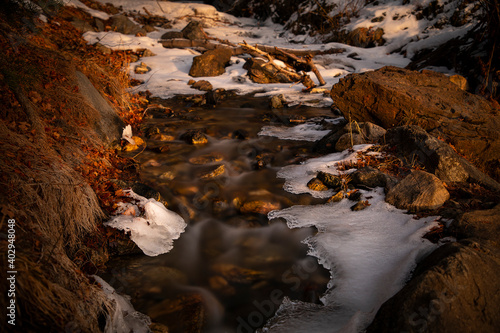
[231,268]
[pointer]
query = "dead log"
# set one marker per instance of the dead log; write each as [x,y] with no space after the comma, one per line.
[294,76]
[302,63]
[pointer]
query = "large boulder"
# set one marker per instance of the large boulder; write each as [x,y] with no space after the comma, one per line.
[456,288]
[211,63]
[418,191]
[415,144]
[394,96]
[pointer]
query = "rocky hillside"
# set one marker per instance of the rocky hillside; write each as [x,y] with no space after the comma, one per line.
[435,30]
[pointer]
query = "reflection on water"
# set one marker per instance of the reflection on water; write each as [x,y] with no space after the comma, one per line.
[231,268]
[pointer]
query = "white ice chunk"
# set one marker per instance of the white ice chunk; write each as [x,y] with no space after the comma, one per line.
[127,134]
[154,232]
[124,318]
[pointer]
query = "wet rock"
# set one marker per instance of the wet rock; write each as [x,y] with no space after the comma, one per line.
[394,96]
[203,85]
[142,68]
[206,159]
[194,31]
[236,274]
[337,197]
[360,205]
[415,144]
[172,35]
[212,172]
[260,71]
[138,144]
[371,177]
[146,191]
[259,207]
[455,289]
[240,134]
[330,180]
[317,185]
[355,195]
[122,24]
[213,97]
[262,160]
[195,137]
[418,191]
[188,309]
[221,285]
[277,101]
[162,137]
[211,63]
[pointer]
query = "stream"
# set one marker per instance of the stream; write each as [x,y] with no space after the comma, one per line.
[232,267]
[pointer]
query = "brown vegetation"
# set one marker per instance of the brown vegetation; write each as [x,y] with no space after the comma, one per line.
[54,170]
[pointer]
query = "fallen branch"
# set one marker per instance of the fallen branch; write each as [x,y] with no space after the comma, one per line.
[305,62]
[294,76]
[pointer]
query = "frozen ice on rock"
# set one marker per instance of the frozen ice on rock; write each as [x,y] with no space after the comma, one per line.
[154,231]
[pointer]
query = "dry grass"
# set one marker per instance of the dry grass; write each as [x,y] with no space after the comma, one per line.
[46,137]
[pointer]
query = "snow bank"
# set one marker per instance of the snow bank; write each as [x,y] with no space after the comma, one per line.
[155,231]
[124,318]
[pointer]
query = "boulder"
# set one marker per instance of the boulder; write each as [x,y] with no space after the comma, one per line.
[479,224]
[415,144]
[394,96]
[348,136]
[193,31]
[371,177]
[122,24]
[194,137]
[277,101]
[261,71]
[211,63]
[453,290]
[418,191]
